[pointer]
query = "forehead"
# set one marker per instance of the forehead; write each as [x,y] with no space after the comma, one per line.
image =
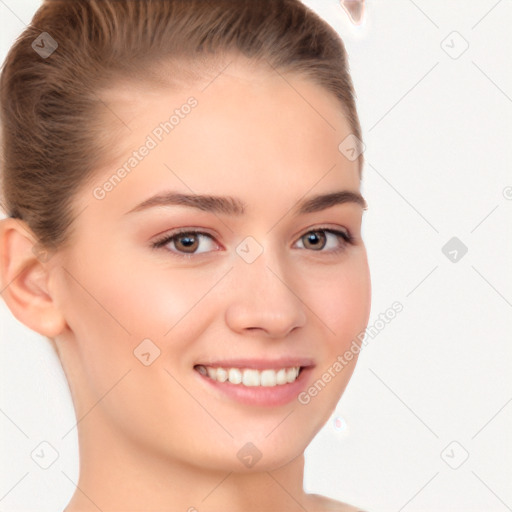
[225,86]
[249,128]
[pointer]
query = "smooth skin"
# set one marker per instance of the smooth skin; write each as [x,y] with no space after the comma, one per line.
[155,437]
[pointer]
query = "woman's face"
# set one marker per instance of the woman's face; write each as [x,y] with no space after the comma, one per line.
[265,285]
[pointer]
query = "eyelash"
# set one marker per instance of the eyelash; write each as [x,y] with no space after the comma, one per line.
[346,237]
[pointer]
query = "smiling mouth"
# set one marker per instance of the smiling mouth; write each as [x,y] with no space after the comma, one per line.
[251,377]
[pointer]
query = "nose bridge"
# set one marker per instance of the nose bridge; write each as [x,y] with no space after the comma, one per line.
[263,293]
[266,274]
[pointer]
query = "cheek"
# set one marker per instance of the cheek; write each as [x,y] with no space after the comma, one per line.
[123,308]
[343,300]
[140,297]
[110,314]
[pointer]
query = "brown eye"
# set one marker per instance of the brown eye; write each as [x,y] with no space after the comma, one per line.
[324,240]
[191,243]
[314,240]
[186,242]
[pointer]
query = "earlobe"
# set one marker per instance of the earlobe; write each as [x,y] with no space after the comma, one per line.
[24,279]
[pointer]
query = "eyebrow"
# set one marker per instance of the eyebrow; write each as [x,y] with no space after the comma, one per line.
[229,205]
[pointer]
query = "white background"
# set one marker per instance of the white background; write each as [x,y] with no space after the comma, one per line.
[434,386]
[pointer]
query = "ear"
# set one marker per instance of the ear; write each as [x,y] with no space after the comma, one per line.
[24,274]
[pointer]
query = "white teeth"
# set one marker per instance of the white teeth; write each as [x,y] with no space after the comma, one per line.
[222,375]
[250,377]
[291,374]
[268,378]
[235,376]
[281,377]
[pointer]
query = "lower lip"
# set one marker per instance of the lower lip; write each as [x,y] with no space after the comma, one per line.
[266,396]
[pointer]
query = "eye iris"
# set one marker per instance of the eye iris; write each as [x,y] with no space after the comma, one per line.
[314,237]
[190,241]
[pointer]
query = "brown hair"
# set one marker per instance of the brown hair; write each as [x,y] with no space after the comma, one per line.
[50,105]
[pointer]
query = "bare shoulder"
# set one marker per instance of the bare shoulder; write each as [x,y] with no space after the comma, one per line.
[323,504]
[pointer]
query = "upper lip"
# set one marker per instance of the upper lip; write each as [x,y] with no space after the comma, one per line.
[259,364]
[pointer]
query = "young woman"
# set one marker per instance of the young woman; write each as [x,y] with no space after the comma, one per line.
[181,180]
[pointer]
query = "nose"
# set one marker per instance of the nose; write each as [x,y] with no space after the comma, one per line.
[265,299]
